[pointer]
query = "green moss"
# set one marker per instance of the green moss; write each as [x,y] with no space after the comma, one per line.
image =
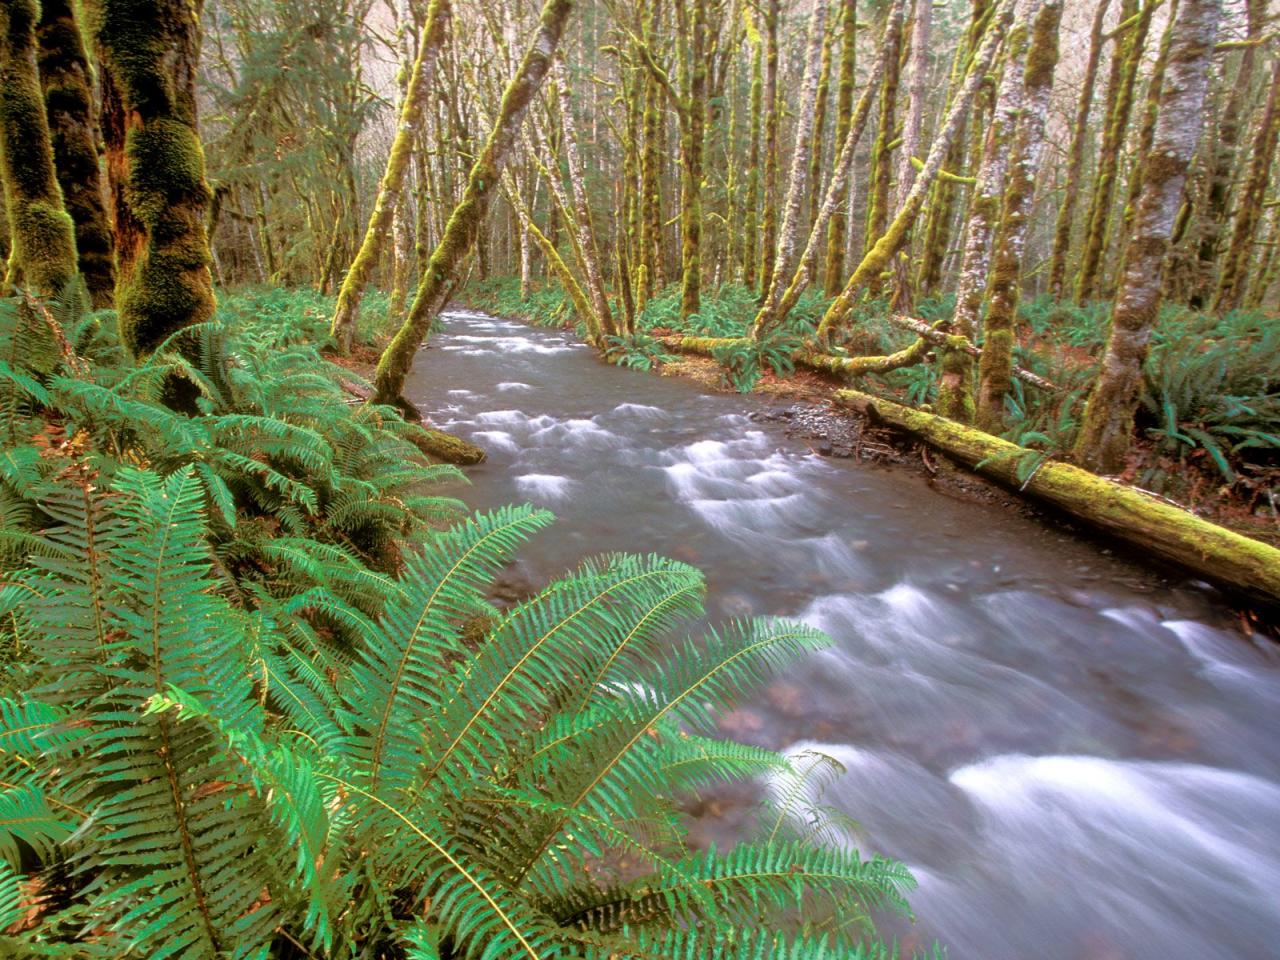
[148,50]
[166,165]
[44,253]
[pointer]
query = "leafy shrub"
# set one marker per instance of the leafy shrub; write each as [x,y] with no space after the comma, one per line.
[744,360]
[468,793]
[1213,385]
[639,351]
[230,727]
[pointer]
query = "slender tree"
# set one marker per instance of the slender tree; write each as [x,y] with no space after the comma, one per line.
[1222,162]
[1080,136]
[1126,59]
[918,63]
[881,252]
[833,275]
[434,32]
[581,210]
[995,372]
[800,163]
[1107,427]
[459,237]
[1234,277]
[772,118]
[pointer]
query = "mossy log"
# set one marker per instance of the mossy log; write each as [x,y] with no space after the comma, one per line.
[823,362]
[1171,533]
[446,447]
[913,353]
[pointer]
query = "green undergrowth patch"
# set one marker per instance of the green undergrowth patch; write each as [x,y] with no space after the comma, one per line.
[256,700]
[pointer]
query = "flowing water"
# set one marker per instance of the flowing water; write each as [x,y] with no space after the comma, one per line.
[1077,759]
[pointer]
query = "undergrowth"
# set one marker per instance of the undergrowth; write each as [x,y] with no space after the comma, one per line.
[258,704]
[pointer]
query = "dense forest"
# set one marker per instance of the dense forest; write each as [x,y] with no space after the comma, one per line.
[268,688]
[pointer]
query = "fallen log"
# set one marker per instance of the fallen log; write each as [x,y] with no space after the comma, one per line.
[909,355]
[1171,533]
[446,447]
[823,362]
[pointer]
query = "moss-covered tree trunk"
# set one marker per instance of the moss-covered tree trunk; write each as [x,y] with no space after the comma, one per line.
[1108,418]
[434,32]
[1080,137]
[995,372]
[881,168]
[984,208]
[1234,278]
[1222,163]
[875,260]
[800,164]
[67,80]
[820,127]
[835,197]
[42,257]
[833,269]
[1126,60]
[940,209]
[148,51]
[468,216]
[772,110]
[651,170]
[581,210]
[693,117]
[1132,516]
[903,298]
[1146,136]
[750,219]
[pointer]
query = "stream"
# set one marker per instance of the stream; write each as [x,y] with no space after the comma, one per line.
[1078,758]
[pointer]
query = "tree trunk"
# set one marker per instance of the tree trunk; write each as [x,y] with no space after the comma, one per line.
[995,372]
[772,109]
[347,311]
[147,54]
[1234,278]
[67,80]
[750,244]
[1108,418]
[581,209]
[1224,158]
[833,274]
[918,59]
[1080,136]
[820,127]
[43,253]
[941,206]
[467,218]
[875,259]
[837,193]
[791,212]
[881,174]
[1127,58]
